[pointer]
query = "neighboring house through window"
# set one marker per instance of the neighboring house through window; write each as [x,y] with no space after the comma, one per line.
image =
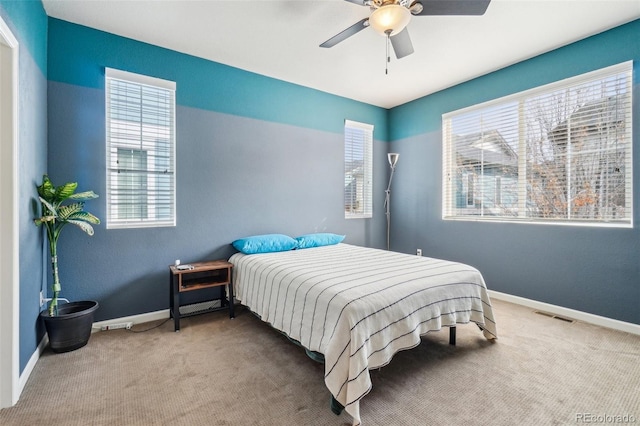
[358,170]
[140,142]
[560,153]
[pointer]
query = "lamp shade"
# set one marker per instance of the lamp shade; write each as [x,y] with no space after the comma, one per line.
[390,19]
[393,158]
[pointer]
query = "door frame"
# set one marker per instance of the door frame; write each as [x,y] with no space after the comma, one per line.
[9,225]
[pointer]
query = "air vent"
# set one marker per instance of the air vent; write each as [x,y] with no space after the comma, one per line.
[547,314]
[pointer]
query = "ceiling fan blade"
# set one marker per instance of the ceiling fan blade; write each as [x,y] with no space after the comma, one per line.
[401,43]
[343,35]
[360,2]
[450,7]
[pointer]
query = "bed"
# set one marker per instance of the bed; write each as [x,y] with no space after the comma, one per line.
[358,306]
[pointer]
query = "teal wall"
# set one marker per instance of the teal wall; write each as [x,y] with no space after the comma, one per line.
[590,269]
[201,83]
[610,47]
[28,23]
[28,20]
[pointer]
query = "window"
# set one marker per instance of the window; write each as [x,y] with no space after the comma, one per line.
[140,150]
[358,170]
[560,153]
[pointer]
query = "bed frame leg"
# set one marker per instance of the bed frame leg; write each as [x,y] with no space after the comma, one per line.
[452,336]
[336,407]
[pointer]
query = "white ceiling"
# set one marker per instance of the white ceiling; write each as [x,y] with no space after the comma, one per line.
[281,39]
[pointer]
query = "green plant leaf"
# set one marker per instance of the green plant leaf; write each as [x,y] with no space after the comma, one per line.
[65,191]
[50,207]
[44,219]
[46,190]
[64,212]
[85,217]
[86,227]
[83,196]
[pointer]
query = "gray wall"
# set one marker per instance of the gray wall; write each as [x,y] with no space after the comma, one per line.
[245,165]
[594,270]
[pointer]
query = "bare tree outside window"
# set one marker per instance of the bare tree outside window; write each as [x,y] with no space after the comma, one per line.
[577,156]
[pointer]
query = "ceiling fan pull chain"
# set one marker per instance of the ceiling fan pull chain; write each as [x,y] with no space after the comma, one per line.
[388,58]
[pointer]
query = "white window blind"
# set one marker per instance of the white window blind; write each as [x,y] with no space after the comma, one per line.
[358,170]
[140,143]
[560,153]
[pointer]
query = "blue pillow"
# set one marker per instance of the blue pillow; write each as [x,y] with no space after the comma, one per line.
[268,243]
[318,240]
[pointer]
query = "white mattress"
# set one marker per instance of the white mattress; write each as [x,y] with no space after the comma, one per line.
[359,306]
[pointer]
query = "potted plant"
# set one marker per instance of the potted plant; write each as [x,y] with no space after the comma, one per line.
[68,325]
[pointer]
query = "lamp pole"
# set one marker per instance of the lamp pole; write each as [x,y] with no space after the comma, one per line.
[393,160]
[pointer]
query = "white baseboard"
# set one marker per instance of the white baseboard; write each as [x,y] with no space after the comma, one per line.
[135,319]
[627,327]
[28,369]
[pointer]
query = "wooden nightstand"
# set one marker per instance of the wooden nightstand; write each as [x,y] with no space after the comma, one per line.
[214,273]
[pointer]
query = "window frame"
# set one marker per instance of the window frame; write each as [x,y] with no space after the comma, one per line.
[449,166]
[365,188]
[167,153]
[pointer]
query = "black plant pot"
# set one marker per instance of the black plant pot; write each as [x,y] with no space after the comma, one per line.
[71,328]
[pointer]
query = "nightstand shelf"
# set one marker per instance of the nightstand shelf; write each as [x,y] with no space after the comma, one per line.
[202,275]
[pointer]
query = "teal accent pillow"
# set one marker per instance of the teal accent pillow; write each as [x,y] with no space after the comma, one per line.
[268,243]
[318,240]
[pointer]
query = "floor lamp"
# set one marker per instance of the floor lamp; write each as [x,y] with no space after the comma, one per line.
[393,160]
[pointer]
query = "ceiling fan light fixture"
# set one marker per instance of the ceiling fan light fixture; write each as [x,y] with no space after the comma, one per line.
[416,8]
[390,19]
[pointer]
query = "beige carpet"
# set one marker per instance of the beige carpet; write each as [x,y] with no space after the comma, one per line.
[217,371]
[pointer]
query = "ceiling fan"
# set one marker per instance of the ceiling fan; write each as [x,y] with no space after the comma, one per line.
[391,17]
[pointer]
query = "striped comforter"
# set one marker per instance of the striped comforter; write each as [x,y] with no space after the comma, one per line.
[359,306]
